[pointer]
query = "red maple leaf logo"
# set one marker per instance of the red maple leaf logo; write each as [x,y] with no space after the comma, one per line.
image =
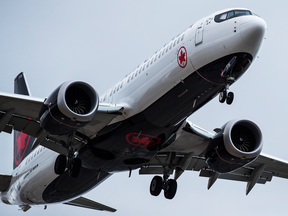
[21,144]
[142,140]
[182,57]
[145,140]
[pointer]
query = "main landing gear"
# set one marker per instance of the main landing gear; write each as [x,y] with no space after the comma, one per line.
[71,162]
[168,185]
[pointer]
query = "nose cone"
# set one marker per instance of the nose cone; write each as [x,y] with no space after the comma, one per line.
[252,31]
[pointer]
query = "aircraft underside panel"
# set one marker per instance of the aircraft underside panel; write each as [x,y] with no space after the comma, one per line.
[131,144]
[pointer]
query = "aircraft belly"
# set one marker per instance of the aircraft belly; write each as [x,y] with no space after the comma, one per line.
[131,143]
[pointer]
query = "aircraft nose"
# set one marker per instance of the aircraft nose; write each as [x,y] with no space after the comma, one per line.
[252,31]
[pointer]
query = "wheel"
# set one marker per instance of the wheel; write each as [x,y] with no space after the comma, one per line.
[156,185]
[230,98]
[60,164]
[172,188]
[76,168]
[222,96]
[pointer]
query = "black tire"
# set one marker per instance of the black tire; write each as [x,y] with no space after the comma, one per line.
[60,164]
[222,96]
[156,186]
[76,168]
[172,188]
[230,98]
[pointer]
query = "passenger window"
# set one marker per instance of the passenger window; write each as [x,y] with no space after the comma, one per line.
[136,73]
[147,65]
[178,40]
[143,68]
[174,43]
[114,91]
[127,80]
[120,87]
[132,76]
[155,58]
[170,46]
[182,37]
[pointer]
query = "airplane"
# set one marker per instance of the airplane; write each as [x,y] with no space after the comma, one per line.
[68,143]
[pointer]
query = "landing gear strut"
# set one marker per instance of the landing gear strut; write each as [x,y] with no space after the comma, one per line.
[71,162]
[227,74]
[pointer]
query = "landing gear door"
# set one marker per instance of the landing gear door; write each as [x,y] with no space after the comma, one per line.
[199,33]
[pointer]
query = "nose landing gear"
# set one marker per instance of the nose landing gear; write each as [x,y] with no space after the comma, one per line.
[227,74]
[228,97]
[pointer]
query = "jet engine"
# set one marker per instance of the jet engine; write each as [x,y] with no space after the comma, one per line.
[71,106]
[238,143]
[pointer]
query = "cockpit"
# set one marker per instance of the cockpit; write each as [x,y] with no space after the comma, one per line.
[231,14]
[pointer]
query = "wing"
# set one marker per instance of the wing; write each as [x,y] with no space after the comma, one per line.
[86,203]
[21,113]
[187,153]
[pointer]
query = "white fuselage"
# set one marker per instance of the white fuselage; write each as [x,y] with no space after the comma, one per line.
[205,42]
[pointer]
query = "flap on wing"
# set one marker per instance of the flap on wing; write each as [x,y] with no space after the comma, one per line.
[230,176]
[87,203]
[4,182]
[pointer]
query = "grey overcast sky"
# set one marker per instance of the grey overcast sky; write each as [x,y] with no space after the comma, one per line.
[100,42]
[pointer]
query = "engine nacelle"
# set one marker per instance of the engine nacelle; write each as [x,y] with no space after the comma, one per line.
[238,143]
[71,106]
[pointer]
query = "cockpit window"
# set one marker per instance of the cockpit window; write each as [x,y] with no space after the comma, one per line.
[231,14]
